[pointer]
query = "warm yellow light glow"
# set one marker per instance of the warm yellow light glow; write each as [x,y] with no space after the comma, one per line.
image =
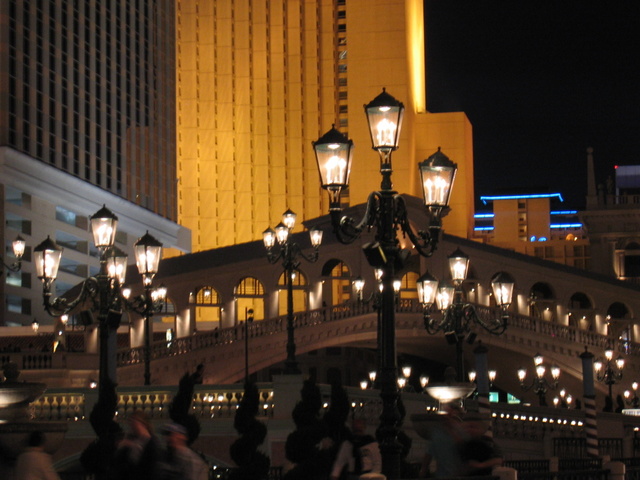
[416,56]
[436,189]
[386,132]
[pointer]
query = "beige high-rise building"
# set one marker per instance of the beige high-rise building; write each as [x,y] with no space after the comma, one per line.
[259,80]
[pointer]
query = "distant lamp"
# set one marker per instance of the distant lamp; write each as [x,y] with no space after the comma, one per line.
[103,226]
[437,174]
[148,252]
[18,246]
[334,153]
[427,286]
[47,256]
[116,262]
[502,286]
[458,266]
[35,326]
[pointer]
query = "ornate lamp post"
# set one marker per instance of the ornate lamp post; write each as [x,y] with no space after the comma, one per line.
[18,246]
[458,317]
[289,251]
[386,212]
[609,371]
[539,383]
[103,293]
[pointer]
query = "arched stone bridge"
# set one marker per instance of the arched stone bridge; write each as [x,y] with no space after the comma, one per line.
[355,325]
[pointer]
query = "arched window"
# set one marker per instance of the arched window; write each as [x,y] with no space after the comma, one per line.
[618,310]
[542,302]
[408,289]
[299,287]
[208,308]
[581,311]
[249,294]
[339,281]
[167,314]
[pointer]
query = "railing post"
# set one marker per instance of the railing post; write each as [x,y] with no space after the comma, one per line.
[505,473]
[616,470]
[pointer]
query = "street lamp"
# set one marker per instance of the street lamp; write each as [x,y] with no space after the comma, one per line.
[289,251]
[608,370]
[631,396]
[18,246]
[563,399]
[386,212]
[457,316]
[103,292]
[539,383]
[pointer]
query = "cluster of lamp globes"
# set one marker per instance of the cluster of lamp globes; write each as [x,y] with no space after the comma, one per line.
[431,291]
[282,231]
[334,156]
[403,380]
[148,252]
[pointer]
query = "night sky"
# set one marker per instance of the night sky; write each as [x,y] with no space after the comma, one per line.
[540,82]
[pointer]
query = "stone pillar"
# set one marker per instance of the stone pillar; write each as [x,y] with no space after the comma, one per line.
[616,470]
[591,426]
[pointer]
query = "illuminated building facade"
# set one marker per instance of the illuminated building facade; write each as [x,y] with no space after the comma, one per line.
[259,81]
[534,225]
[87,116]
[612,217]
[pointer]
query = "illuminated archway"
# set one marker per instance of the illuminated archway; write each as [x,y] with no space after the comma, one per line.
[338,275]
[208,307]
[249,295]
[299,286]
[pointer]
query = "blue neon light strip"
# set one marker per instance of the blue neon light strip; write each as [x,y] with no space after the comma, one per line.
[486,199]
[481,229]
[563,212]
[483,215]
[565,225]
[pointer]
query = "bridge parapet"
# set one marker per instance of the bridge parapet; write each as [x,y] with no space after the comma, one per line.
[202,340]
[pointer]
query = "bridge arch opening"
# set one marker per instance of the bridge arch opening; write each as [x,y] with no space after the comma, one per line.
[581,311]
[208,308]
[249,294]
[542,301]
[300,289]
[337,277]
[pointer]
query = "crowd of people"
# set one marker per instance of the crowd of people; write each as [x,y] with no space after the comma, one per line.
[460,447]
[141,455]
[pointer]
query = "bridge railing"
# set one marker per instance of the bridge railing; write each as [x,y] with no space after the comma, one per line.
[165,349]
[210,402]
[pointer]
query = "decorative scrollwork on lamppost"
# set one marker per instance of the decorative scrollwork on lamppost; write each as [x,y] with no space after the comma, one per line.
[458,317]
[18,246]
[539,383]
[102,293]
[289,251]
[386,212]
[609,371]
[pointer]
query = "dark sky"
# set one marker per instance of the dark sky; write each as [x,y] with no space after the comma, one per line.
[540,82]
